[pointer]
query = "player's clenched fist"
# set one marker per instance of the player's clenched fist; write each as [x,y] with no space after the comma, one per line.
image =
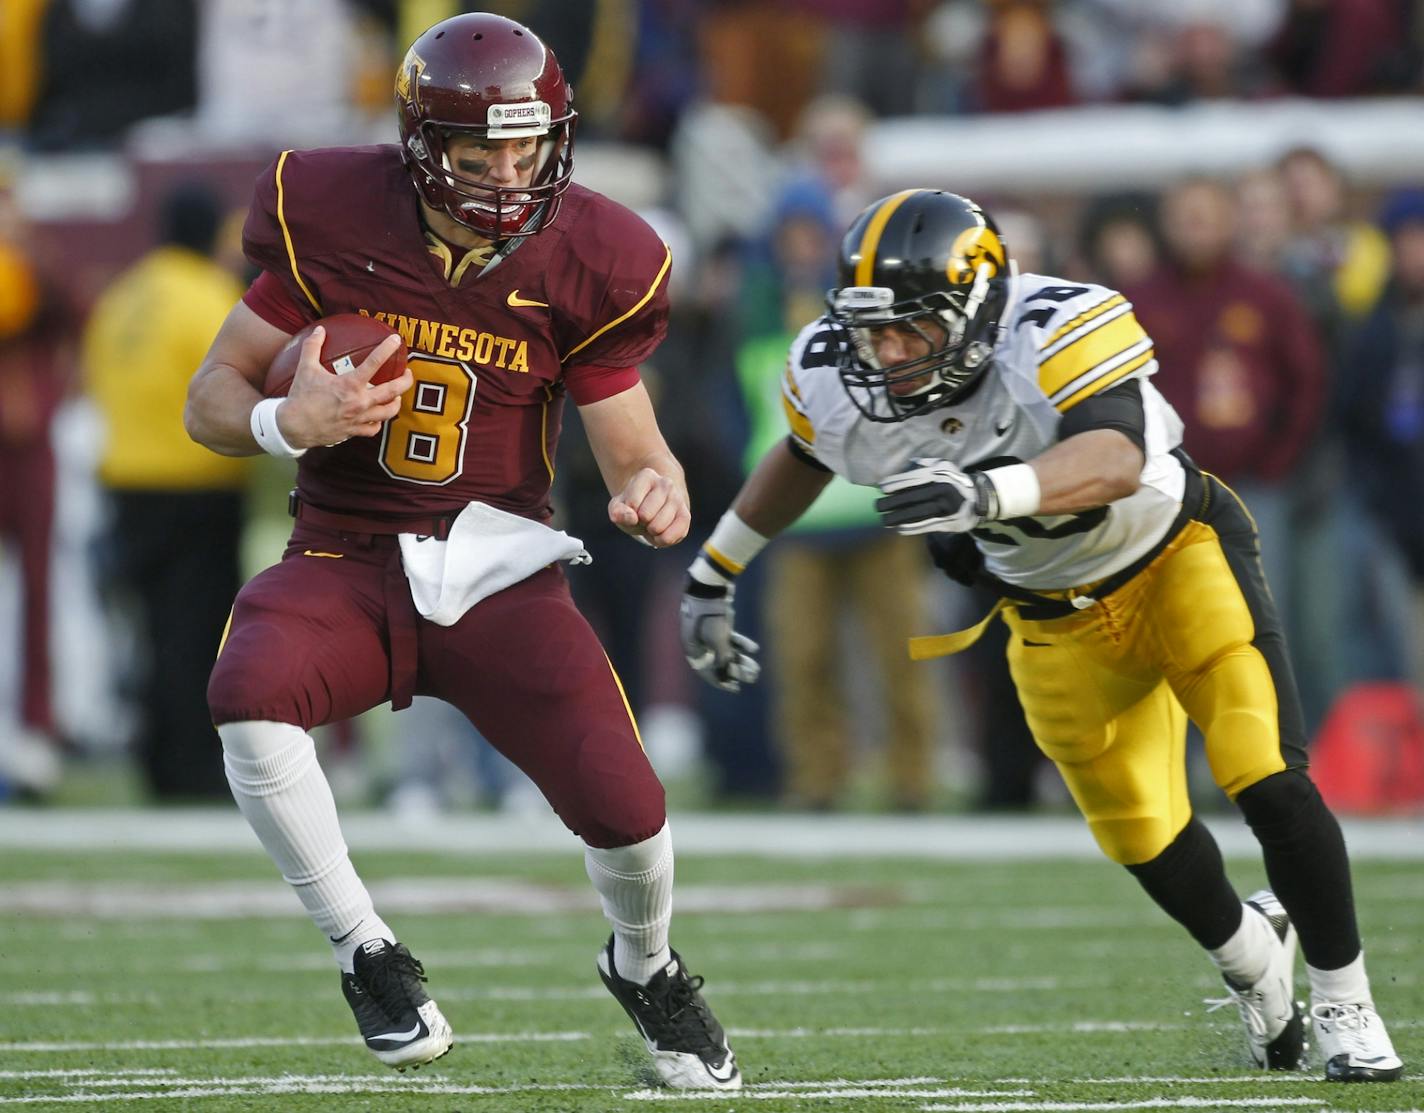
[652,508]
[326,409]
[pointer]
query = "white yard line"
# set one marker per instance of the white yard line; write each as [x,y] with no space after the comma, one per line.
[728,988]
[960,838]
[1149,1103]
[102,1088]
[229,900]
[217,1091]
[1080,1027]
[760,1093]
[147,1075]
[269,1041]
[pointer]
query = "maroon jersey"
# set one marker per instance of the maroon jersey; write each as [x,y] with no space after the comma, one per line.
[492,354]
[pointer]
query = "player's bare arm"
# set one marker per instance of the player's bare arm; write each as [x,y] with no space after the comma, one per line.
[1087,470]
[320,409]
[646,481]
[778,491]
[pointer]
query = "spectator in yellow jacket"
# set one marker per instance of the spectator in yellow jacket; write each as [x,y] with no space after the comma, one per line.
[176,509]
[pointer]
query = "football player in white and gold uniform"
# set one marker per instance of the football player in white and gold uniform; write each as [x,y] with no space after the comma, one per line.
[1012,419]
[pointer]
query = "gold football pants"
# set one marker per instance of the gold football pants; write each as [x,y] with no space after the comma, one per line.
[1107,690]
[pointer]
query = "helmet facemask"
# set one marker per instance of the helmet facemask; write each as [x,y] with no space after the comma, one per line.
[495,212]
[959,328]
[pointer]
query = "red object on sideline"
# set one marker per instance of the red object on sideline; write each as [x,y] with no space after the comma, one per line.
[1369,756]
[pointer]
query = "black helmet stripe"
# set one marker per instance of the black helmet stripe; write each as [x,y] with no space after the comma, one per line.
[874,229]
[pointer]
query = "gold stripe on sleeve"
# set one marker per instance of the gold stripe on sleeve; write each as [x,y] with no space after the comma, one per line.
[799,422]
[789,380]
[287,234]
[1100,384]
[658,281]
[1084,317]
[1088,351]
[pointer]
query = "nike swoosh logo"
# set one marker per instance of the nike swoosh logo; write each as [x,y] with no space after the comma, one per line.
[725,1072]
[514,301]
[399,1035]
[333,556]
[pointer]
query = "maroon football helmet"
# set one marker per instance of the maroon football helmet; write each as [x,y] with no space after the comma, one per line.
[489,76]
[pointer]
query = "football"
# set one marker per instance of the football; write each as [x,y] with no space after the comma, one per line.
[349,340]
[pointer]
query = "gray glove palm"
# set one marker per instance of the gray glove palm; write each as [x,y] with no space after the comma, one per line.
[716,652]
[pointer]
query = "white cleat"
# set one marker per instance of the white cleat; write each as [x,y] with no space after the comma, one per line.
[1275,1027]
[1354,1044]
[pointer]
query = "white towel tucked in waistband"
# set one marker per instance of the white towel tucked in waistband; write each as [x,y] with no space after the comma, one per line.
[487,551]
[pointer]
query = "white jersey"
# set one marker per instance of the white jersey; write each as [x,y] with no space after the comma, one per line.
[1060,344]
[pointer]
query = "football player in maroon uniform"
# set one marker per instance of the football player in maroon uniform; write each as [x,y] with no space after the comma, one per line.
[420,561]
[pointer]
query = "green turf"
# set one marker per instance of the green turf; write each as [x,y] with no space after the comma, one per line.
[1004,986]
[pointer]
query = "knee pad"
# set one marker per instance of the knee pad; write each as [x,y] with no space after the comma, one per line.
[265,757]
[1279,801]
[1131,841]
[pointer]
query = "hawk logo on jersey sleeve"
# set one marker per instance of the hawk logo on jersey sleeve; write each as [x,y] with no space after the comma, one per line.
[1099,345]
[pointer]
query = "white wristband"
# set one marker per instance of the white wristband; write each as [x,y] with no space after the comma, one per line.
[732,546]
[266,433]
[1017,488]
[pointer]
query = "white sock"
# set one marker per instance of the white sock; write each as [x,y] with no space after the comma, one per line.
[1244,957]
[634,884]
[280,789]
[1349,985]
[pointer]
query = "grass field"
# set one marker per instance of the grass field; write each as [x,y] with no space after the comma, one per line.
[167,979]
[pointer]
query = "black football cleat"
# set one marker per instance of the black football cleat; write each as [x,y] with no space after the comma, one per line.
[401,1025]
[688,1046]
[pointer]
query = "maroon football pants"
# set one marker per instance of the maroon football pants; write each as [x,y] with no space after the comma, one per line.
[331,631]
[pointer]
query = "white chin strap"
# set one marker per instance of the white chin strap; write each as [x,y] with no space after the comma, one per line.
[977,293]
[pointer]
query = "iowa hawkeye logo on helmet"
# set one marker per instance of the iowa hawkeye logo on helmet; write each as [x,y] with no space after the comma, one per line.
[972,247]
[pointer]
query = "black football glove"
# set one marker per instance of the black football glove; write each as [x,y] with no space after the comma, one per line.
[935,496]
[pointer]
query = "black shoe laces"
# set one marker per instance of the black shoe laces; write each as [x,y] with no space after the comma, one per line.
[687,1021]
[394,981]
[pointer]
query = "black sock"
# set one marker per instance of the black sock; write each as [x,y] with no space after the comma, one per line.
[1305,858]
[1188,881]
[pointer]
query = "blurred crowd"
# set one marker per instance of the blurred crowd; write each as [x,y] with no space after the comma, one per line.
[1286,302]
